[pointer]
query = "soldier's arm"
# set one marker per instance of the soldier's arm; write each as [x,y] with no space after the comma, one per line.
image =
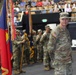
[24,38]
[52,39]
[52,42]
[43,37]
[37,38]
[15,42]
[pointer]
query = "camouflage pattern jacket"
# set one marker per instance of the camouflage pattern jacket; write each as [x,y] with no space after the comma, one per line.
[44,40]
[60,44]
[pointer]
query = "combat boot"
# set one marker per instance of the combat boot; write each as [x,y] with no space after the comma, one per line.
[46,68]
[51,68]
[40,61]
[32,62]
[22,71]
[16,72]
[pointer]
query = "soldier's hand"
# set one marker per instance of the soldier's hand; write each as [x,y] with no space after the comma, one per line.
[18,42]
[22,41]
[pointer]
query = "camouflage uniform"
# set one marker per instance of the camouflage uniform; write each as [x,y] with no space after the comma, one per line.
[39,48]
[60,44]
[26,48]
[44,39]
[35,48]
[17,52]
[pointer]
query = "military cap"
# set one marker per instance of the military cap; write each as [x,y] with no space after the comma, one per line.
[18,31]
[64,15]
[39,30]
[24,31]
[33,31]
[47,26]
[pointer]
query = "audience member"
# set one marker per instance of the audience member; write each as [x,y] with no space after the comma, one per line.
[68,8]
[33,3]
[39,3]
[45,2]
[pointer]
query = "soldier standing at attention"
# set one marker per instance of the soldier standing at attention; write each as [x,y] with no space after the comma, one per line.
[39,46]
[17,52]
[44,40]
[26,43]
[35,46]
[60,44]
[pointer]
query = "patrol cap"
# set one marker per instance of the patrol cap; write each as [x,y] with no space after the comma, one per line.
[18,31]
[64,15]
[47,26]
[33,31]
[24,31]
[39,30]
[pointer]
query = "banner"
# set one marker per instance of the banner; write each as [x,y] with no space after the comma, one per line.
[4,43]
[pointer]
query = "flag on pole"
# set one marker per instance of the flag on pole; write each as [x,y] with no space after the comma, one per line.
[27,24]
[31,37]
[13,29]
[4,43]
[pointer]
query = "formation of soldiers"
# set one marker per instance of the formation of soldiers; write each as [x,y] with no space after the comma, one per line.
[22,52]
[52,47]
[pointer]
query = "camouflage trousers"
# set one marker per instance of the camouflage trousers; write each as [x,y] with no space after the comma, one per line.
[39,52]
[35,54]
[46,59]
[17,59]
[63,69]
[26,56]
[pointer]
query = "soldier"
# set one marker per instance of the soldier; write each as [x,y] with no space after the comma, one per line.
[44,39]
[17,52]
[26,44]
[39,46]
[60,44]
[35,46]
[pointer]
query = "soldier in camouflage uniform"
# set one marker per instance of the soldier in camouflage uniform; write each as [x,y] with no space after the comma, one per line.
[17,52]
[35,46]
[26,43]
[39,46]
[44,40]
[60,44]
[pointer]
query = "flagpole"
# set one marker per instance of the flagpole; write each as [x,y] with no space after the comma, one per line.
[8,19]
[11,20]
[30,21]
[30,33]
[8,25]
[22,59]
